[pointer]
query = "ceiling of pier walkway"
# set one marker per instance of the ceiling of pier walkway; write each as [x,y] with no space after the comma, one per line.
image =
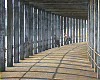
[69,8]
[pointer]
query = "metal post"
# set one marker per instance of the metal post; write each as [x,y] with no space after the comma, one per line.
[26,31]
[61,31]
[2,35]
[22,30]
[82,30]
[95,32]
[73,30]
[9,33]
[79,30]
[35,31]
[30,30]
[76,30]
[16,31]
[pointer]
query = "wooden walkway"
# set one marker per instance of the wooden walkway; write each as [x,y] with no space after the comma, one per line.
[68,62]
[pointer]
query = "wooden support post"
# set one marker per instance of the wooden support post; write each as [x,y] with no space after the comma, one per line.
[52,30]
[56,28]
[98,46]
[73,30]
[76,30]
[95,32]
[22,30]
[46,31]
[9,33]
[35,31]
[61,31]
[92,31]
[64,29]
[68,29]
[59,28]
[39,29]
[16,31]
[49,30]
[79,30]
[84,30]
[2,35]
[26,31]
[30,30]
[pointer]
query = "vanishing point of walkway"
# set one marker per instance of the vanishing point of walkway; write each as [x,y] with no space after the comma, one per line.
[69,62]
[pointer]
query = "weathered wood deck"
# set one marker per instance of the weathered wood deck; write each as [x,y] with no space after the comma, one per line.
[69,62]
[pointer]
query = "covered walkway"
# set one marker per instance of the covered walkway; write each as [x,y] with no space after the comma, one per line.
[69,62]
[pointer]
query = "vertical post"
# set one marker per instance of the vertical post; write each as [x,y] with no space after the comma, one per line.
[30,30]
[21,30]
[9,33]
[52,30]
[59,28]
[79,30]
[98,46]
[27,31]
[64,28]
[39,30]
[85,30]
[35,31]
[61,31]
[43,31]
[95,32]
[76,30]
[2,35]
[68,30]
[49,30]
[46,30]
[82,29]
[16,31]
[73,30]
[92,31]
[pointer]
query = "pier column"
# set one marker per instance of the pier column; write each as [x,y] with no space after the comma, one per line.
[53,31]
[2,35]
[59,28]
[9,33]
[49,30]
[92,31]
[46,31]
[98,46]
[76,30]
[95,32]
[61,31]
[21,30]
[39,29]
[73,30]
[84,21]
[30,30]
[26,31]
[64,29]
[68,30]
[35,31]
[16,31]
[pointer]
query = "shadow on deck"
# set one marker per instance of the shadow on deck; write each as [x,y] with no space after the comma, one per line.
[69,62]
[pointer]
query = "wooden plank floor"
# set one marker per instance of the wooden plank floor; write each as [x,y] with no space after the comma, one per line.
[68,62]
